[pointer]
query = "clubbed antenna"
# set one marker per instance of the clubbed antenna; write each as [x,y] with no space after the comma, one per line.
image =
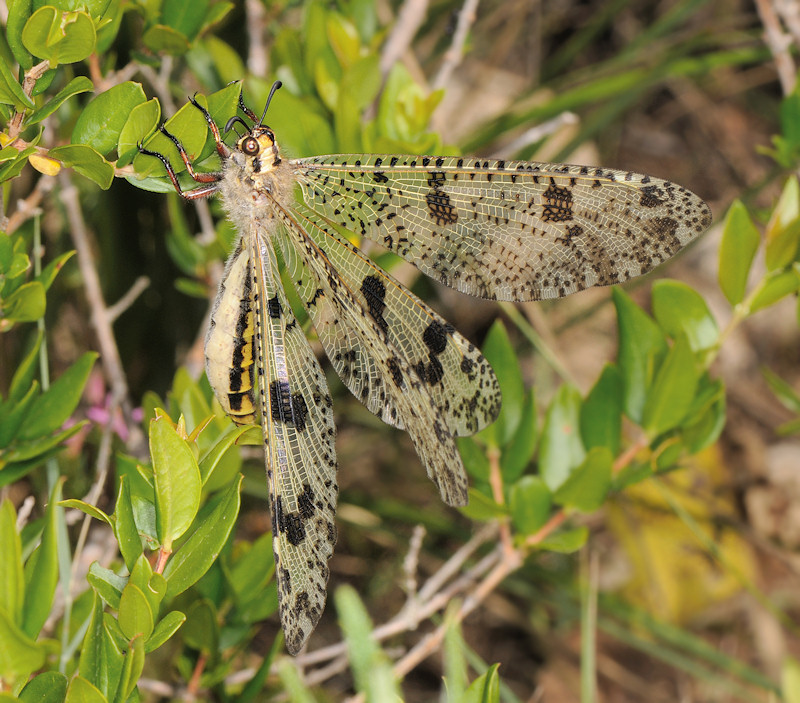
[275,86]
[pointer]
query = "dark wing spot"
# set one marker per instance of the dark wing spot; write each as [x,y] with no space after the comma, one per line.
[556,204]
[374,292]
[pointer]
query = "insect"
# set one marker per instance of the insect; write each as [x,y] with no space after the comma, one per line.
[504,230]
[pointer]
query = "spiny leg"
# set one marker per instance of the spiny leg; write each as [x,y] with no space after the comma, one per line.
[246,110]
[222,149]
[193,194]
[199,177]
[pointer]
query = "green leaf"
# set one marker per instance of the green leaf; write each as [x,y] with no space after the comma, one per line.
[177,481]
[680,310]
[160,38]
[52,409]
[141,122]
[292,683]
[783,230]
[41,571]
[561,448]
[641,348]
[12,581]
[166,627]
[202,628]
[740,240]
[226,59]
[11,92]
[66,37]
[790,680]
[48,687]
[87,509]
[91,664]
[587,486]
[372,670]
[22,380]
[601,411]
[37,448]
[775,286]
[204,544]
[130,543]
[252,569]
[566,541]
[18,13]
[518,453]
[344,39]
[106,584]
[672,392]
[49,273]
[474,457]
[100,124]
[82,691]
[482,508]
[529,501]
[25,304]
[484,689]
[784,392]
[135,615]
[703,426]
[78,85]
[454,656]
[498,351]
[86,161]
[19,654]
[132,667]
[153,586]
[184,16]
[189,127]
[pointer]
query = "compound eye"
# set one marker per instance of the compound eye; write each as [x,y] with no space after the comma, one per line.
[250,146]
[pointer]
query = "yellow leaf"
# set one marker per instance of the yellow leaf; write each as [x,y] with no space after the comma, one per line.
[44,164]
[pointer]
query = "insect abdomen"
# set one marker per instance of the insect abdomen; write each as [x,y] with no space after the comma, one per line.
[229,344]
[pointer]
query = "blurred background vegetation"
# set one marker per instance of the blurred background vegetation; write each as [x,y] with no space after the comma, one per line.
[681,586]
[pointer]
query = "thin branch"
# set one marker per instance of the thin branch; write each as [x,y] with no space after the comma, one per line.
[30,206]
[779,44]
[409,20]
[100,320]
[139,286]
[257,58]
[453,56]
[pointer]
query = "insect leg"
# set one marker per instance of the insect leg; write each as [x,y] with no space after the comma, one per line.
[246,110]
[194,194]
[222,149]
[199,177]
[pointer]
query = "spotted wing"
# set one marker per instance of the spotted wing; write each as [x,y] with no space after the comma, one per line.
[458,378]
[337,308]
[509,230]
[301,460]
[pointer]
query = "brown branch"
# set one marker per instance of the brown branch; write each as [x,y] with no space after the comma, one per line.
[779,44]
[100,319]
[29,207]
[453,56]
[257,57]
[409,20]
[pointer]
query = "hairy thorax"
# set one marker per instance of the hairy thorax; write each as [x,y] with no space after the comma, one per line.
[253,187]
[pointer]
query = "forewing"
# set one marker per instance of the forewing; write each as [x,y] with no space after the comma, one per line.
[458,378]
[301,464]
[335,306]
[506,230]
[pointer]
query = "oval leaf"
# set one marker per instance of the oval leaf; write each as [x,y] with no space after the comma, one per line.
[740,240]
[100,124]
[177,481]
[680,310]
